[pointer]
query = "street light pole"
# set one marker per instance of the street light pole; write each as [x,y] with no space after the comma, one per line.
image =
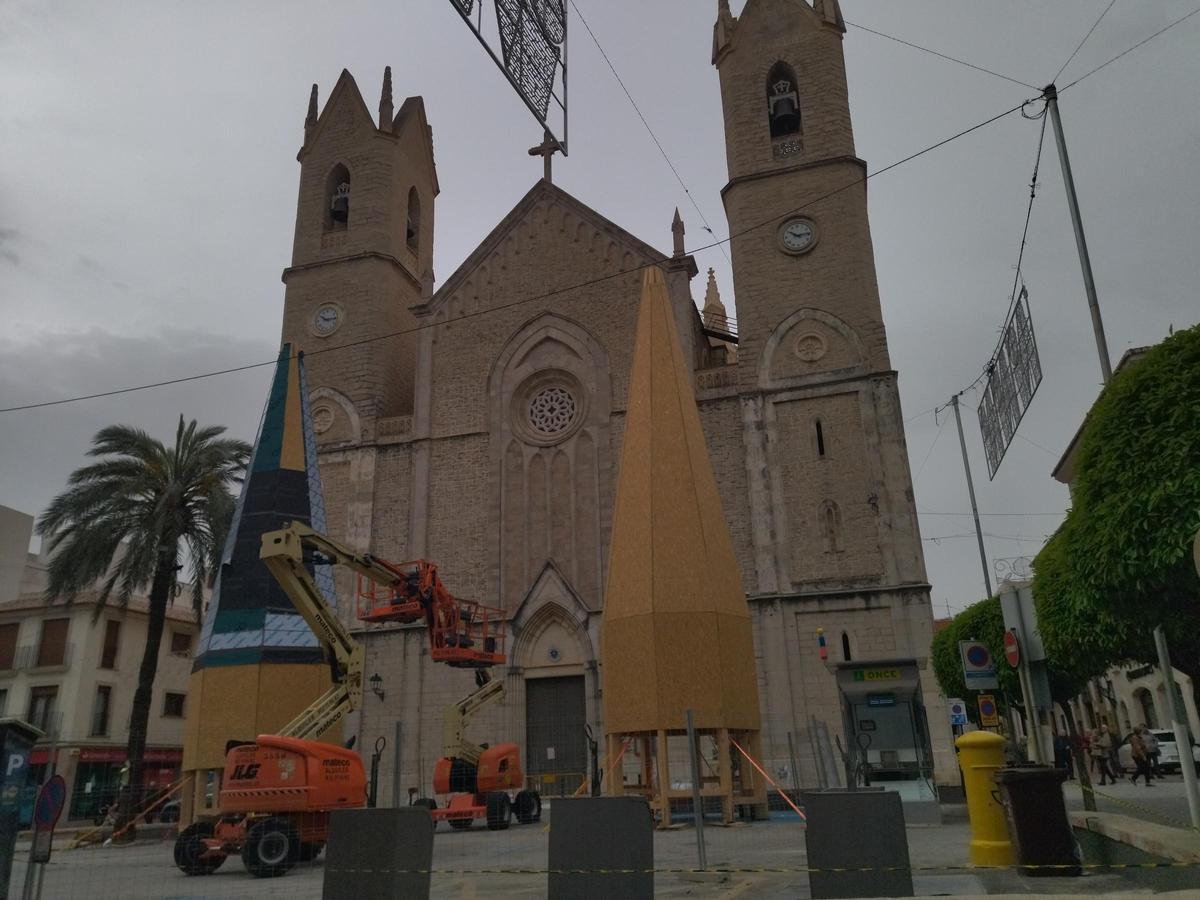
[962,443]
[1085,261]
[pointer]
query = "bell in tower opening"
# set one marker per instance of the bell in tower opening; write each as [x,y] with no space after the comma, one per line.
[783,103]
[339,204]
[337,189]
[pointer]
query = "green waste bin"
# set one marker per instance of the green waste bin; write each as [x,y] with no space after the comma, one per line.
[1036,814]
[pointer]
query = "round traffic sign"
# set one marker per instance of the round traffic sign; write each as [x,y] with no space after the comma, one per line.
[978,656]
[49,804]
[1012,648]
[987,707]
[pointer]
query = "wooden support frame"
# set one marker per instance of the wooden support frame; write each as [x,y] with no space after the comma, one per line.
[661,752]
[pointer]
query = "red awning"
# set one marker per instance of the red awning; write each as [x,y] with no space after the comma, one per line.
[153,755]
[39,757]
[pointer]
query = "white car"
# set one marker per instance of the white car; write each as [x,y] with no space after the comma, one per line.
[1168,761]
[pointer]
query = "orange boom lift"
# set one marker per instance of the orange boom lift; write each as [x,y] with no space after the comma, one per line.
[278,791]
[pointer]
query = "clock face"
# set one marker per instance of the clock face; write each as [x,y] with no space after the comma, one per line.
[797,235]
[327,319]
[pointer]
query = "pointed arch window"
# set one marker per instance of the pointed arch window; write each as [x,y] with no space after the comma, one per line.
[831,526]
[412,231]
[783,101]
[337,198]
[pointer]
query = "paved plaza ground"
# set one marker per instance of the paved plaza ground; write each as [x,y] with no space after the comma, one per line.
[938,853]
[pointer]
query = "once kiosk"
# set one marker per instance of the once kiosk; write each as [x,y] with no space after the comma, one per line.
[887,733]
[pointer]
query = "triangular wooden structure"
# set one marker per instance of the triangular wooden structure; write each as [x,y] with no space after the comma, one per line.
[677,633]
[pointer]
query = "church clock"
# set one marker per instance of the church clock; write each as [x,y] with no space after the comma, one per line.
[797,235]
[326,319]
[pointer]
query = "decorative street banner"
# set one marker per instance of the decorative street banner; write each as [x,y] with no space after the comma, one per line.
[527,39]
[1014,374]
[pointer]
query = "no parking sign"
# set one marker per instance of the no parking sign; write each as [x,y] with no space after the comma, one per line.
[46,810]
[989,716]
[958,711]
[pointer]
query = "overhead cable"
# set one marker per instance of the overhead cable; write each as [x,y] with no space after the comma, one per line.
[551,293]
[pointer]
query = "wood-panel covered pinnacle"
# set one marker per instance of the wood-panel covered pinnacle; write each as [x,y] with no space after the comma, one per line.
[677,630]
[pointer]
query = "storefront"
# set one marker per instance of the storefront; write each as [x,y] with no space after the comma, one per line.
[100,771]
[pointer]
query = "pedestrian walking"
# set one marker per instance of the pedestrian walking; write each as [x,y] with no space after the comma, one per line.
[1141,759]
[1153,752]
[1102,745]
[1062,755]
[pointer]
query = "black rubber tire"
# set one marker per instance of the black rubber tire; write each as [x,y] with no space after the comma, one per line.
[272,847]
[528,807]
[190,845]
[309,852]
[461,824]
[427,802]
[499,811]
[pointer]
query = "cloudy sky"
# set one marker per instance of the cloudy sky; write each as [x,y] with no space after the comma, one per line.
[148,185]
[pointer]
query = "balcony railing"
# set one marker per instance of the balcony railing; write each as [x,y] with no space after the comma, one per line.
[31,657]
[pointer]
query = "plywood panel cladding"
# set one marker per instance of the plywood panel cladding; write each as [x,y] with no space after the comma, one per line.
[677,632]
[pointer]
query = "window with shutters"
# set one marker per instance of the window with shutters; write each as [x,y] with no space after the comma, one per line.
[112,640]
[8,645]
[100,710]
[52,649]
[42,701]
[181,643]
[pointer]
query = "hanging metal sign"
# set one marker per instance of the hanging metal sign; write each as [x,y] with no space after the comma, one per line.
[1014,374]
[527,39]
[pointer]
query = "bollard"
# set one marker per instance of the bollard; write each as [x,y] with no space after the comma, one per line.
[981,755]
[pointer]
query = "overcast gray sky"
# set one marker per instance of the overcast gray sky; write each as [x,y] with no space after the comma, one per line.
[148,185]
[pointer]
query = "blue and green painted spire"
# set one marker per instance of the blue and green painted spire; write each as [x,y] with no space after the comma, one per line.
[250,619]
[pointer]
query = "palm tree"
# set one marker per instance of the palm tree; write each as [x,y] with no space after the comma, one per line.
[124,523]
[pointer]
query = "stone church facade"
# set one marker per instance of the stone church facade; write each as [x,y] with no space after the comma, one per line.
[480,425]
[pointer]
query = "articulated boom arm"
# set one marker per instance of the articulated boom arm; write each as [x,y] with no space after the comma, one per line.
[283,554]
[454,744]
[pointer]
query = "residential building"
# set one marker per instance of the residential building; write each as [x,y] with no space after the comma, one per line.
[71,670]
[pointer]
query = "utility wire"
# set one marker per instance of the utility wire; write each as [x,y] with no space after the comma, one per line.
[1012,302]
[551,293]
[927,512]
[961,62]
[1079,46]
[715,243]
[649,130]
[1102,65]
[929,452]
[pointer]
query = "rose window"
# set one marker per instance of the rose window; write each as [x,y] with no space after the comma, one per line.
[551,410]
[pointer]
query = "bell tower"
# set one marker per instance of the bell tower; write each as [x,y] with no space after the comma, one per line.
[813,364]
[362,254]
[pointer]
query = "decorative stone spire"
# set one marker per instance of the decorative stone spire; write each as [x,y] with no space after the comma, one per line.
[830,12]
[715,315]
[677,233]
[722,30]
[385,101]
[310,121]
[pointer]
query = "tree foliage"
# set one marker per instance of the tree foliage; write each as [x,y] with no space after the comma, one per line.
[980,621]
[125,522]
[1121,563]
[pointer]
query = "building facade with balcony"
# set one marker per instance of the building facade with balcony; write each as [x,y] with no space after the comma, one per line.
[71,670]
